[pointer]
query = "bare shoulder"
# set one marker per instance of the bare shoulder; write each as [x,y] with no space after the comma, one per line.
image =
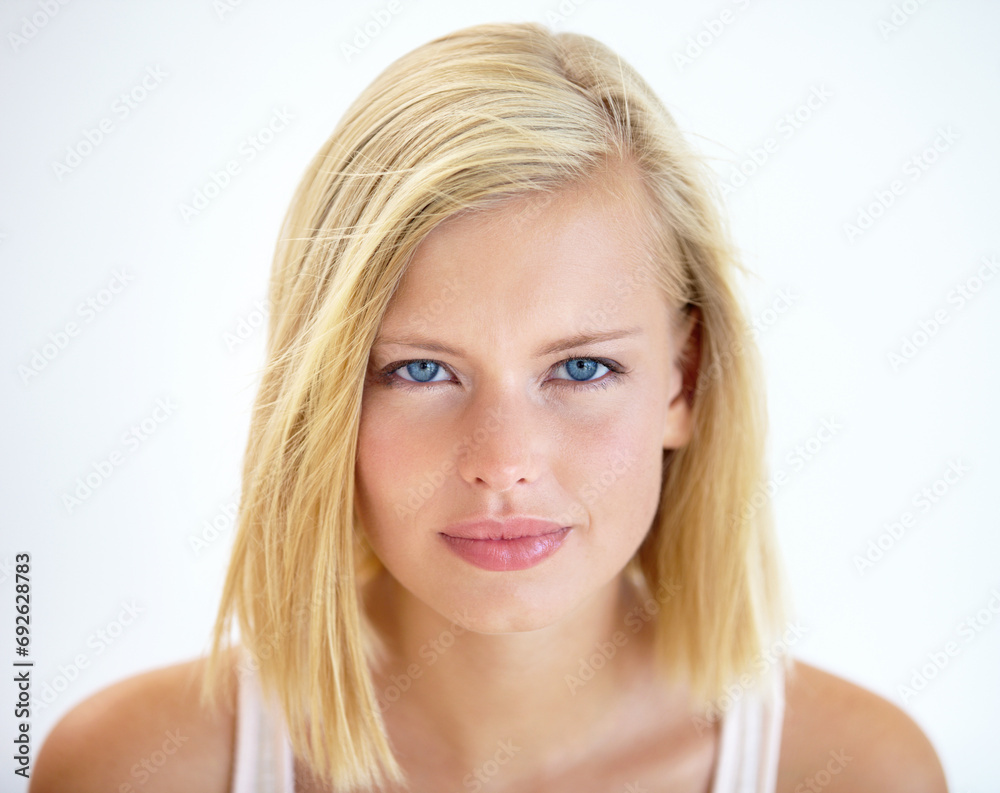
[147,733]
[838,736]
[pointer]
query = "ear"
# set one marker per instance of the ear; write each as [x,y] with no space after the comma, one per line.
[686,350]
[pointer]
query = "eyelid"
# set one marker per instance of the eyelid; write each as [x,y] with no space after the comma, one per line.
[615,370]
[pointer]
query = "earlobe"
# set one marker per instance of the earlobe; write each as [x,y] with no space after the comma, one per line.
[684,378]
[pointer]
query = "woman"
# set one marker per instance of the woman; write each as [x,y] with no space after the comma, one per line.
[496,530]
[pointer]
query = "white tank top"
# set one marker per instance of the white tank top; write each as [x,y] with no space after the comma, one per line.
[747,760]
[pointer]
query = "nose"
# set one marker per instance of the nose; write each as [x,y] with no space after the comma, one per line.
[501,440]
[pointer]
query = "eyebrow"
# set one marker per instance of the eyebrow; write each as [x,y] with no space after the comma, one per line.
[570,342]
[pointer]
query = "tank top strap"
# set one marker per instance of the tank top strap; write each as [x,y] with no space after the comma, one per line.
[749,741]
[263,761]
[750,738]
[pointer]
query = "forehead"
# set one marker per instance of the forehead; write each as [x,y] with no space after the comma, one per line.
[551,252]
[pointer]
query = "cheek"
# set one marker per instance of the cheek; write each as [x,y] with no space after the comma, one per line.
[386,455]
[619,475]
[387,438]
[396,460]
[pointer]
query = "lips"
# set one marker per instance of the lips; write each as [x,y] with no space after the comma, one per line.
[513,544]
[508,529]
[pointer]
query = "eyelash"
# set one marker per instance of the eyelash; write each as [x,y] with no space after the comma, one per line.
[387,376]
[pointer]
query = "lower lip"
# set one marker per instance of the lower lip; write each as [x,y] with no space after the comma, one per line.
[519,554]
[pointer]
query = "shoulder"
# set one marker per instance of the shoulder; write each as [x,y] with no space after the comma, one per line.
[148,733]
[838,736]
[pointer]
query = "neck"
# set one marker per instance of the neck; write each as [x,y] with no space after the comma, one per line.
[550,696]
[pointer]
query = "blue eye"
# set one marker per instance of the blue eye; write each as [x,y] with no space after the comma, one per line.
[584,367]
[422,370]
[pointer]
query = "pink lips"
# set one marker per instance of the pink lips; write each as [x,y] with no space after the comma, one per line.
[515,544]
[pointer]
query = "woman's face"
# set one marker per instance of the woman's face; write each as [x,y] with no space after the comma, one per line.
[470,411]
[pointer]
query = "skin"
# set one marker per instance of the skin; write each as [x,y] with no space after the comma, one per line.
[514,286]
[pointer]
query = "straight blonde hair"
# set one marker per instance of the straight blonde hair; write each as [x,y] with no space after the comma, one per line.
[468,121]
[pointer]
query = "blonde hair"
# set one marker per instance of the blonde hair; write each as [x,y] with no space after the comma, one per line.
[465,122]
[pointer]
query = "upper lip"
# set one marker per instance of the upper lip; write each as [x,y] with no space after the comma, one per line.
[505,529]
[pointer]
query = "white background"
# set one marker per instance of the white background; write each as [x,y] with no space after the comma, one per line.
[851,301]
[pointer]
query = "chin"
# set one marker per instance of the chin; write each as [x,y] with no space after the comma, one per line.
[532,606]
[508,605]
